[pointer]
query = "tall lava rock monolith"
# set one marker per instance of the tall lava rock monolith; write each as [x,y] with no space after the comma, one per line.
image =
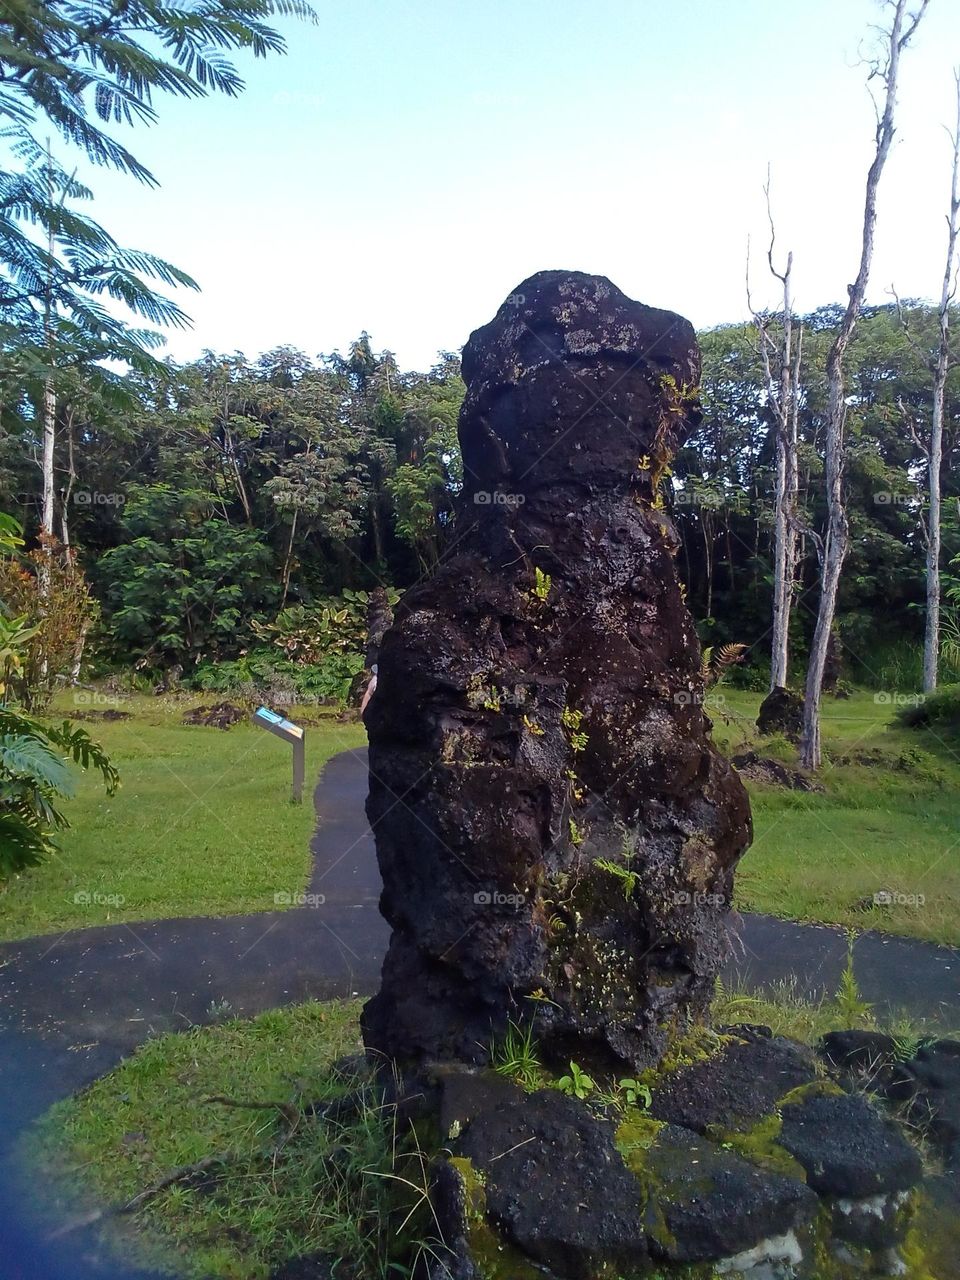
[556,834]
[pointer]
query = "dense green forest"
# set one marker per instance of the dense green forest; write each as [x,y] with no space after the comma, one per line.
[218,508]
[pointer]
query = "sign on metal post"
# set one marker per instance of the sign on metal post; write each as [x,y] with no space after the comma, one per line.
[291,733]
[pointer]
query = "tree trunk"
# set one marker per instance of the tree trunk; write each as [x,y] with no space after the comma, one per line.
[49,417]
[783,400]
[931,640]
[837,531]
[288,560]
[67,493]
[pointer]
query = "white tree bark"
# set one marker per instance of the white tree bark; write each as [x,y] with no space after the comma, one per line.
[901,29]
[931,640]
[49,416]
[783,395]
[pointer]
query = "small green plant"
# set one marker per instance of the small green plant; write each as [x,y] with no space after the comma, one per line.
[571,721]
[627,878]
[732,1006]
[532,727]
[577,792]
[493,701]
[907,1046]
[577,832]
[717,663]
[852,1010]
[515,1056]
[541,585]
[577,1084]
[540,997]
[635,1094]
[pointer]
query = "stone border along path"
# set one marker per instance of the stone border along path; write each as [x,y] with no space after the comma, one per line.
[71,1007]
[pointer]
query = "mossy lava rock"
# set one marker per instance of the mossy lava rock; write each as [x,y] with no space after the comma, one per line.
[556,834]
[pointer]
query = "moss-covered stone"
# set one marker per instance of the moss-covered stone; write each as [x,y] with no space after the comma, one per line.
[821,1088]
[494,1257]
[759,1145]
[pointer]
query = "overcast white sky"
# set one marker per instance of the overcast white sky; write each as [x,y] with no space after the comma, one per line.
[411,161]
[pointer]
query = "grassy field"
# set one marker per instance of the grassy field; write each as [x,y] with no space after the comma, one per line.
[887,823]
[202,824]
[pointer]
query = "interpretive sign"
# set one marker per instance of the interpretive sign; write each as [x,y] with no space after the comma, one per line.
[291,733]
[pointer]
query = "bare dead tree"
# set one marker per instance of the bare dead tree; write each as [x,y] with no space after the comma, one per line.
[781,358]
[897,36]
[931,639]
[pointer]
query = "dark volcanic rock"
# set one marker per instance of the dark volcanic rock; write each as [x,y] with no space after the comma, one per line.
[556,1185]
[847,1148]
[867,1061]
[935,1075]
[222,715]
[379,619]
[312,1266]
[551,818]
[707,1203]
[763,769]
[857,1050]
[781,711]
[737,1086]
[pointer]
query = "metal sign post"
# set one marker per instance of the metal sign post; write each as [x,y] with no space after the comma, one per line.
[291,733]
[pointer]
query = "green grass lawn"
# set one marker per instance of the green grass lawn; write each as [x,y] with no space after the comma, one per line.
[889,823]
[277,1193]
[202,824]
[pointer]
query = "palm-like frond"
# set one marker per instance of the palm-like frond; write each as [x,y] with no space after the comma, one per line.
[715,664]
[70,62]
[26,757]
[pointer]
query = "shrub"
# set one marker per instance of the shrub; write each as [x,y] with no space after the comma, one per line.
[942,708]
[185,585]
[264,675]
[47,592]
[308,634]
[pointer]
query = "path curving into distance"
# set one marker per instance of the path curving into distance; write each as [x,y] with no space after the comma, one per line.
[71,1007]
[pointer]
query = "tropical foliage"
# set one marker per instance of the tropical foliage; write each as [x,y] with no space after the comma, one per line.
[34,776]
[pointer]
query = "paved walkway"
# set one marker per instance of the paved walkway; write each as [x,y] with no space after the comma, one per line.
[72,1007]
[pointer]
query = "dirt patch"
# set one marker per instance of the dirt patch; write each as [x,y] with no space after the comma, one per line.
[774,773]
[110,714]
[220,716]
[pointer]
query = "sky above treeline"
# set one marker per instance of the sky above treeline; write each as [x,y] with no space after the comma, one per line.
[411,161]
